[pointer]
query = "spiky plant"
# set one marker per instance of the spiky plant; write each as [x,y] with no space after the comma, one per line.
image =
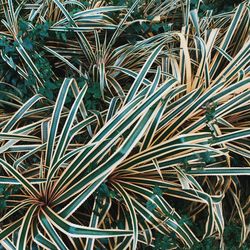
[165,154]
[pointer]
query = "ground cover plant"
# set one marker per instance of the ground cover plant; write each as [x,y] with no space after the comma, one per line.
[124,125]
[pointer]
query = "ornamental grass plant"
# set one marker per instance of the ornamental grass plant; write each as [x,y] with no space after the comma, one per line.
[124,125]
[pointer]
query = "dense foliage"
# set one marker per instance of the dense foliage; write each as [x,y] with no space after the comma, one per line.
[124,124]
